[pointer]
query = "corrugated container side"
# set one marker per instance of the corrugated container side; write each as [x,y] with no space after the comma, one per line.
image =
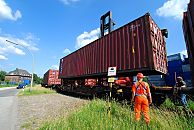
[188,29]
[177,69]
[187,75]
[174,57]
[191,25]
[186,68]
[156,77]
[188,83]
[190,43]
[127,48]
[158,83]
[175,63]
[45,78]
[158,48]
[157,80]
[186,61]
[191,10]
[174,69]
[170,80]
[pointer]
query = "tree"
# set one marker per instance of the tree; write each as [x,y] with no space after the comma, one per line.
[2,75]
[37,79]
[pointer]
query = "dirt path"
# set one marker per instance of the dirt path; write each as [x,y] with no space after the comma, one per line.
[33,110]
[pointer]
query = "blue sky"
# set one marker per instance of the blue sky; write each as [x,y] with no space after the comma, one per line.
[51,29]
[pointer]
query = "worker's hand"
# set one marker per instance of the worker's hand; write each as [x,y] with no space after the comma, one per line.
[150,101]
[132,105]
[132,101]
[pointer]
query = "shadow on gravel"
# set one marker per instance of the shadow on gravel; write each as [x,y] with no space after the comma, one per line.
[76,95]
[104,96]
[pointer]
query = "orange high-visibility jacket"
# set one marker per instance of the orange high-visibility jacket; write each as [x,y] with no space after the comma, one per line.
[141,88]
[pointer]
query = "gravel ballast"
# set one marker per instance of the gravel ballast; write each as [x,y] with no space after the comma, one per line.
[33,111]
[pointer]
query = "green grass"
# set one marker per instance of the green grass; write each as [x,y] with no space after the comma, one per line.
[191,105]
[7,85]
[36,90]
[94,116]
[169,105]
[26,126]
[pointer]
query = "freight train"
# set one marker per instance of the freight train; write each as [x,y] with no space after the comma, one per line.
[138,46]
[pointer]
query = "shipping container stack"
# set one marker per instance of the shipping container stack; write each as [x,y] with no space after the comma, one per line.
[178,65]
[188,30]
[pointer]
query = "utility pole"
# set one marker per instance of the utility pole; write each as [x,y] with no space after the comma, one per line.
[32,60]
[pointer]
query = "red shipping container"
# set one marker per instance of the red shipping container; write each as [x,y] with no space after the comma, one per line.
[188,29]
[136,46]
[51,78]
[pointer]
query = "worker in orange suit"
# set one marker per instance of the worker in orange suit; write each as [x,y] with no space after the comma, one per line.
[142,97]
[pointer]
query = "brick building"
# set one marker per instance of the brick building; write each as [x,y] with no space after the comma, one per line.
[18,75]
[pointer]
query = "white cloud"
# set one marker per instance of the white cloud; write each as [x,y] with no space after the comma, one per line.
[7,13]
[29,43]
[86,38]
[66,2]
[56,67]
[15,50]
[2,57]
[66,51]
[173,8]
[184,52]
[6,47]
[9,48]
[31,37]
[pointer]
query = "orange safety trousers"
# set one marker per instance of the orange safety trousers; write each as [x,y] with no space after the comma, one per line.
[141,104]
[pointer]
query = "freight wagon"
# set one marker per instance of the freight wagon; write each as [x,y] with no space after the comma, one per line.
[188,30]
[138,46]
[51,79]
